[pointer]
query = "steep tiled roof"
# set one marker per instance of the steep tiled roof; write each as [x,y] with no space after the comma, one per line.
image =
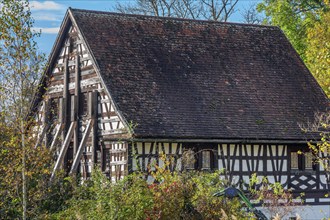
[177,78]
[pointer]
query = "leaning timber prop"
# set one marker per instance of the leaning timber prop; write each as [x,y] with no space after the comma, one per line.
[64,149]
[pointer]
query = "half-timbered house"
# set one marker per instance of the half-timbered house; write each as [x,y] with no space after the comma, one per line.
[121,89]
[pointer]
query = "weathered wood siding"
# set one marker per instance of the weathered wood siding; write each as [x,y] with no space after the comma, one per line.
[76,96]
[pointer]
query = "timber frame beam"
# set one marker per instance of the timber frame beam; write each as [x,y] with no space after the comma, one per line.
[81,146]
[55,139]
[64,149]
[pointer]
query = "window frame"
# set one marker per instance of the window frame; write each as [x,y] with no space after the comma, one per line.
[198,150]
[302,160]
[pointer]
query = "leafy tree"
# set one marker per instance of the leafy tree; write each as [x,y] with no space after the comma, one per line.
[42,196]
[20,63]
[305,23]
[283,14]
[24,170]
[318,51]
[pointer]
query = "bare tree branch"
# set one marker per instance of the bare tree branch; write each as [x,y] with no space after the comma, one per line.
[251,15]
[217,10]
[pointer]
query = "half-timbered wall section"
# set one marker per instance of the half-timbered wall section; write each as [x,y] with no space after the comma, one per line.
[77,112]
[238,161]
[145,155]
[241,160]
[291,165]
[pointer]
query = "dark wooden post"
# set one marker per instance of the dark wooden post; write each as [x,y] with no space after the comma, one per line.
[76,106]
[65,98]
[264,168]
[129,150]
[93,111]
[65,102]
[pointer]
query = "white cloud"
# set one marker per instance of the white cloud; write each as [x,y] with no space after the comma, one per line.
[46,5]
[52,30]
[44,16]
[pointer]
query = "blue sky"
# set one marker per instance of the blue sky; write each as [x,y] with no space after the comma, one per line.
[48,15]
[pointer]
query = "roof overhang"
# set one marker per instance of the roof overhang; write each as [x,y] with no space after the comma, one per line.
[220,141]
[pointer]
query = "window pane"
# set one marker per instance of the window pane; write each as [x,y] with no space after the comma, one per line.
[188,159]
[309,160]
[206,159]
[294,160]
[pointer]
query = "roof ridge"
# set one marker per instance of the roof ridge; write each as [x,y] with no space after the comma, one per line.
[173,18]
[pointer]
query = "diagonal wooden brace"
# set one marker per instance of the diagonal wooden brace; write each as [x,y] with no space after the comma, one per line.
[81,146]
[63,149]
[59,129]
[41,136]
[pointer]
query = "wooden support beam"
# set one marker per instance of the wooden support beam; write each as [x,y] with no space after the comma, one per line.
[76,131]
[61,107]
[41,136]
[81,146]
[65,99]
[76,105]
[94,111]
[59,129]
[66,80]
[65,103]
[64,148]
[89,104]
[45,123]
[103,156]
[77,75]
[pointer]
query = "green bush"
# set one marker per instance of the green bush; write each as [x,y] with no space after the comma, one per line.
[172,195]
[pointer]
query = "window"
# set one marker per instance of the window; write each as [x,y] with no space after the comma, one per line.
[295,161]
[302,161]
[206,160]
[188,159]
[309,161]
[198,158]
